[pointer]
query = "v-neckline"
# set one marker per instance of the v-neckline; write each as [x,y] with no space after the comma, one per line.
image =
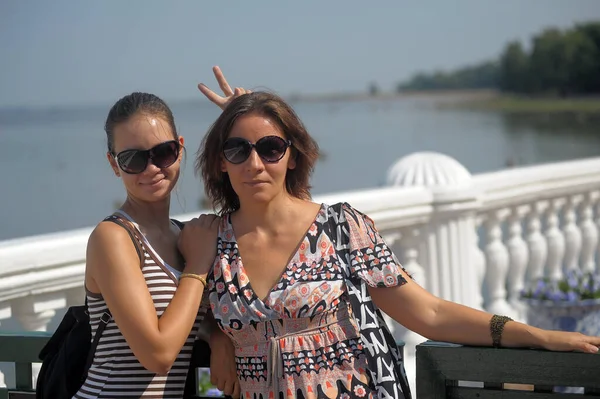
[265,301]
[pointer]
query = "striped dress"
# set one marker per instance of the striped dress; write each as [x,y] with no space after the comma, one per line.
[115,371]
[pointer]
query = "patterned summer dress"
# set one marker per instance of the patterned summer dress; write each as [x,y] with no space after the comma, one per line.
[317,334]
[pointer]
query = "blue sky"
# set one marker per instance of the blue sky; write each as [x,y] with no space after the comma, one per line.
[92,52]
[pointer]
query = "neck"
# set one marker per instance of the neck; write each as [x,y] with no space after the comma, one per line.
[269,216]
[148,213]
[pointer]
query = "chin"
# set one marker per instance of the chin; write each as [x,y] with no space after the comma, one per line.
[157,194]
[258,197]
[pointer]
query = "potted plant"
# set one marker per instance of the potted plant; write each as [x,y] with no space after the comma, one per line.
[569,304]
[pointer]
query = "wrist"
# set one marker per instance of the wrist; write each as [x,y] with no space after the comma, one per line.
[539,338]
[215,336]
[194,276]
[522,335]
[195,268]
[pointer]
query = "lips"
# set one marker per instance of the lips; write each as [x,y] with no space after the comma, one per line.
[255,183]
[153,182]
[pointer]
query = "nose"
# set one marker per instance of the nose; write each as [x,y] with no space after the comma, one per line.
[151,167]
[254,162]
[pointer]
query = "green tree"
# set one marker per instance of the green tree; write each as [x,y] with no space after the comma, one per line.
[514,69]
[549,64]
[587,57]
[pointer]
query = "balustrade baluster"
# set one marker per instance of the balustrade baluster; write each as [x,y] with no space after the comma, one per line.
[496,264]
[478,266]
[538,248]
[572,234]
[589,232]
[518,256]
[555,240]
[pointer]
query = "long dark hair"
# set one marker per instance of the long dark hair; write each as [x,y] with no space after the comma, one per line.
[304,148]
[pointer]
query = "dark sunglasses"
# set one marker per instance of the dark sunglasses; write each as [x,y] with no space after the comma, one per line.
[162,155]
[270,148]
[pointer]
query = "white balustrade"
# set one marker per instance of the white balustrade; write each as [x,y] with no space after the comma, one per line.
[518,255]
[538,248]
[555,240]
[477,240]
[589,232]
[572,233]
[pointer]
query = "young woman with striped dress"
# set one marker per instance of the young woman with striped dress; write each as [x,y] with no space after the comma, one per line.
[136,279]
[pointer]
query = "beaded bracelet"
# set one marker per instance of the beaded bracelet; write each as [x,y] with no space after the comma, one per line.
[497,327]
[196,276]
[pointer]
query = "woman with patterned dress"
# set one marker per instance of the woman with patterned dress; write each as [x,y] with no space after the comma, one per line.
[298,286]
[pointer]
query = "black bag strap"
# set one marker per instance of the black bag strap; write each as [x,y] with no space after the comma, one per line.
[104,319]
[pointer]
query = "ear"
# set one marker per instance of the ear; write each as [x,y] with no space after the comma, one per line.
[113,164]
[292,159]
[223,165]
[181,144]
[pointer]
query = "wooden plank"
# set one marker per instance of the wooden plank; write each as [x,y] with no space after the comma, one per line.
[519,366]
[430,383]
[482,393]
[22,347]
[21,395]
[24,376]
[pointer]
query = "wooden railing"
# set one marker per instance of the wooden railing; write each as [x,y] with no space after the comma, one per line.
[22,350]
[455,371]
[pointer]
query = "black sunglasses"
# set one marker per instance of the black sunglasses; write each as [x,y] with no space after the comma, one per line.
[162,155]
[270,148]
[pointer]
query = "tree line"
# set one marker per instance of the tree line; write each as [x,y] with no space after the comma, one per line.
[559,62]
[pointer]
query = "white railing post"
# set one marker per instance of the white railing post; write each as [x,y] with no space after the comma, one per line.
[518,256]
[478,266]
[447,240]
[555,240]
[572,233]
[589,232]
[538,248]
[497,264]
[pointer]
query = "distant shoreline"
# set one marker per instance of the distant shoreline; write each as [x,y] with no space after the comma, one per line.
[442,95]
[518,104]
[475,100]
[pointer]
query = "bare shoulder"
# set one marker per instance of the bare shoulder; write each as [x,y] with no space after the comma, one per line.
[107,233]
[108,241]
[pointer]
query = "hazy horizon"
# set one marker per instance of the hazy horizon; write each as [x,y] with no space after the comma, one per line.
[67,53]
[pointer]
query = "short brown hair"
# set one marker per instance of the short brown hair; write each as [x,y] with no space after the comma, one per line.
[304,148]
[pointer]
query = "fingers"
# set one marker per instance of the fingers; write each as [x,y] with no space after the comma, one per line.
[222,81]
[220,384]
[236,390]
[589,348]
[228,387]
[211,95]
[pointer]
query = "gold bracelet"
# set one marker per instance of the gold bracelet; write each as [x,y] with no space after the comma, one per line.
[497,328]
[196,276]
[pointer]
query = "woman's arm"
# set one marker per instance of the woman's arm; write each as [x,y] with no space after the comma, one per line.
[223,368]
[113,268]
[441,320]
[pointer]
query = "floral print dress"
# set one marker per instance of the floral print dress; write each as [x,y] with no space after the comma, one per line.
[316,334]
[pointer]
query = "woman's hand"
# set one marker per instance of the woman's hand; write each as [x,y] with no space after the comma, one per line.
[220,101]
[223,370]
[569,341]
[197,243]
